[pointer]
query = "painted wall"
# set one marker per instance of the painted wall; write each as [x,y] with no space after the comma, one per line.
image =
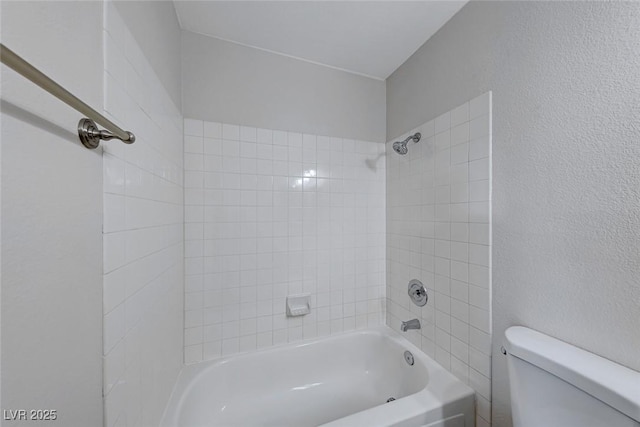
[51,217]
[143,233]
[439,232]
[230,83]
[272,213]
[155,28]
[566,109]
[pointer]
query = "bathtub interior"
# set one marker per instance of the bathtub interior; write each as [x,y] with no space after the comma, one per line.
[341,375]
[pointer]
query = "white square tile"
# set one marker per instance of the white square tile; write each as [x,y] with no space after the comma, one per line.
[460,350]
[480,319]
[480,383]
[480,340]
[459,290]
[212,350]
[460,134]
[113,174]
[442,140]
[264,339]
[479,254]
[193,318]
[459,271]
[294,139]
[114,250]
[212,146]
[479,169]
[193,162]
[193,127]
[480,105]
[460,153]
[460,114]
[480,362]
[483,410]
[113,289]
[230,132]
[480,422]
[442,123]
[479,276]
[460,193]
[479,212]
[264,136]
[230,149]
[309,142]
[193,336]
[459,212]
[479,191]
[460,310]
[212,130]
[230,346]
[460,232]
[479,233]
[248,134]
[479,297]
[279,137]
[114,328]
[114,213]
[114,366]
[443,357]
[479,127]
[193,144]
[459,251]
[460,330]
[479,148]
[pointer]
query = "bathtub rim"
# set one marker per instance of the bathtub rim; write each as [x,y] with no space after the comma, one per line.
[412,405]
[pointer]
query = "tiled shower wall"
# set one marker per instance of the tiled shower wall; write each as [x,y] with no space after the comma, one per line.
[143,236]
[269,214]
[439,232]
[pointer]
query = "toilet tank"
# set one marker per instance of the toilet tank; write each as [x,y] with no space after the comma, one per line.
[554,384]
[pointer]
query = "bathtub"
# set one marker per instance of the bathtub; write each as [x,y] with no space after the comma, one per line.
[340,381]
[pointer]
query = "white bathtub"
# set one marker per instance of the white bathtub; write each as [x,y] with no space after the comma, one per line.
[338,381]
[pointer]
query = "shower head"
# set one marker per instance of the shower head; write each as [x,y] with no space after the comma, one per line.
[400,147]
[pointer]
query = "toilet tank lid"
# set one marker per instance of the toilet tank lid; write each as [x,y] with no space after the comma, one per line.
[614,384]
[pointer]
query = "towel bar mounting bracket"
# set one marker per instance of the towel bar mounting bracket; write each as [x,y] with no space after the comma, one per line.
[90,135]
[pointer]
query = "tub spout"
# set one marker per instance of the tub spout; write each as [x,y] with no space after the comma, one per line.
[410,324]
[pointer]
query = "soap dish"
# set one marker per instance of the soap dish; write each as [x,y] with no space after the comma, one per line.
[298,305]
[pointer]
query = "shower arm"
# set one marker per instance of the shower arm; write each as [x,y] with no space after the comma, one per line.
[415,137]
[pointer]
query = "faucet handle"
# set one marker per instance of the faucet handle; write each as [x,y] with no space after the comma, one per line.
[417,293]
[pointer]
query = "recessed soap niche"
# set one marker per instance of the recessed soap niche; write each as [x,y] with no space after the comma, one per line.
[298,305]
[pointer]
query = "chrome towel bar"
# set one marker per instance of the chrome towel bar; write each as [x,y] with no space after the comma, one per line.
[88,131]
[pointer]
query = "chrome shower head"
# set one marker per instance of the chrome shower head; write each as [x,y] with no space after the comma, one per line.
[400,147]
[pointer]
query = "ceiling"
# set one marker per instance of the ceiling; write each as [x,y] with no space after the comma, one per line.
[371,38]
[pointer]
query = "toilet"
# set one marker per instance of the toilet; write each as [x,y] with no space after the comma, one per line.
[554,384]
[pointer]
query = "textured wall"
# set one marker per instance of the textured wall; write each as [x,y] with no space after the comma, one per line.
[231,83]
[566,202]
[272,213]
[143,235]
[51,217]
